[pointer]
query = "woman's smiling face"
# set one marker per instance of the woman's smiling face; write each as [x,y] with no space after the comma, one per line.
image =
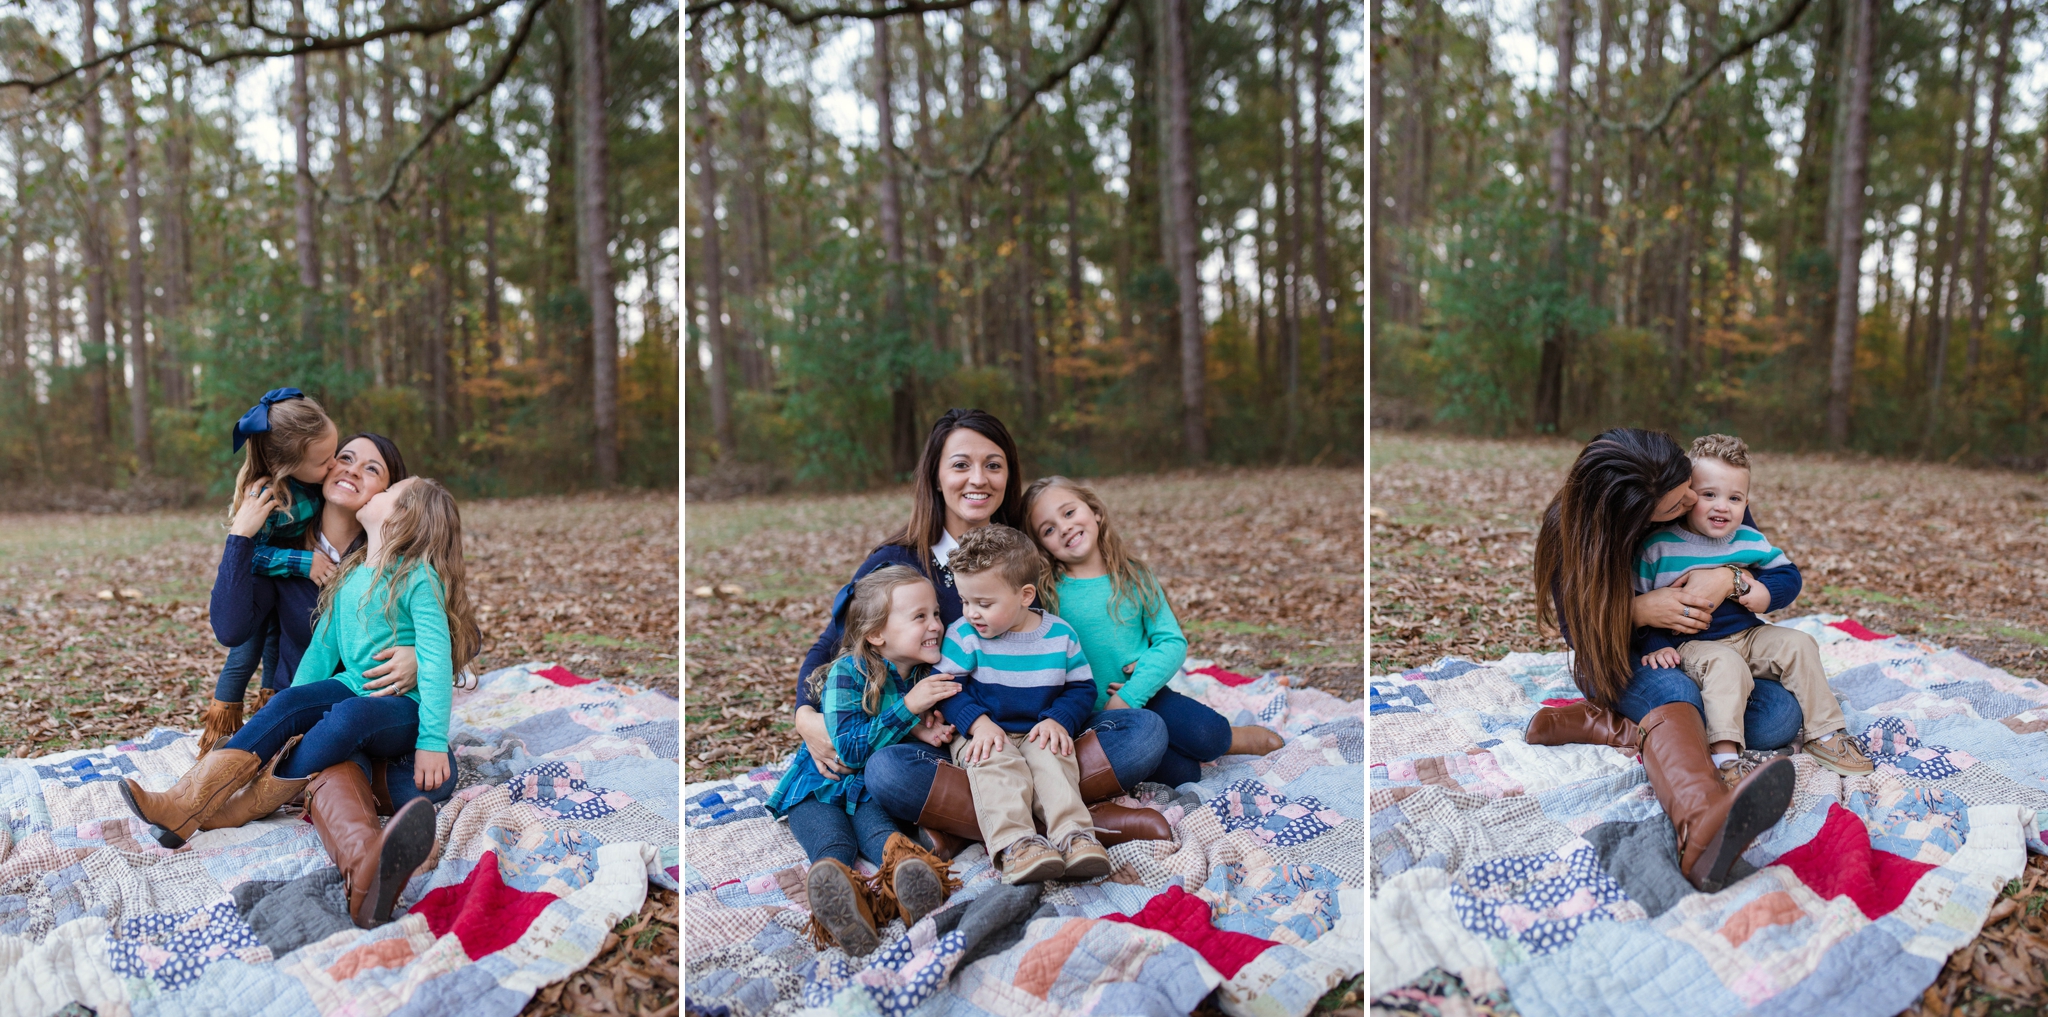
[973,474]
[357,474]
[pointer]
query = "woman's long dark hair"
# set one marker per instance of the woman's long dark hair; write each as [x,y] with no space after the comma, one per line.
[1586,549]
[928,501]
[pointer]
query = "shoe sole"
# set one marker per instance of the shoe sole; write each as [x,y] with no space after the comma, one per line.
[168,838]
[1049,867]
[1761,804]
[919,890]
[408,840]
[1844,771]
[1089,867]
[832,900]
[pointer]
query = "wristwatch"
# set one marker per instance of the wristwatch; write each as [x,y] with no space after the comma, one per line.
[1741,584]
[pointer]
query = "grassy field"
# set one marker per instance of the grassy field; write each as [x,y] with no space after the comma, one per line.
[1959,556]
[1261,567]
[103,635]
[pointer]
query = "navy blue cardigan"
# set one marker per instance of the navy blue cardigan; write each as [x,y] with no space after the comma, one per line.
[244,602]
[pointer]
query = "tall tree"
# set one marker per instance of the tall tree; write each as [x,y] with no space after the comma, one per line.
[1980,257]
[903,398]
[304,215]
[594,232]
[1550,371]
[705,177]
[1855,172]
[94,239]
[1180,160]
[1326,283]
[131,186]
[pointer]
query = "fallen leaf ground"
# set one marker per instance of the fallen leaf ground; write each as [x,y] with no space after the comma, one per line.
[1261,567]
[1958,556]
[104,635]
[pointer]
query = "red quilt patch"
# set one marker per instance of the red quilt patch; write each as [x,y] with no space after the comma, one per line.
[563,676]
[1226,677]
[485,914]
[1839,861]
[1185,917]
[1855,628]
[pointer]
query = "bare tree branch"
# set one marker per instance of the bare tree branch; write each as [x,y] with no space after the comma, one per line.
[1087,51]
[303,44]
[798,17]
[1787,17]
[440,120]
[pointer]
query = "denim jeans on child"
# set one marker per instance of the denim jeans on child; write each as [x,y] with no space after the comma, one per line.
[242,661]
[339,725]
[824,830]
[1770,720]
[1195,734]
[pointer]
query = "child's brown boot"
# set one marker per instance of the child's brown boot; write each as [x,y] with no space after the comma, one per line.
[913,880]
[220,723]
[1031,860]
[842,908]
[1085,858]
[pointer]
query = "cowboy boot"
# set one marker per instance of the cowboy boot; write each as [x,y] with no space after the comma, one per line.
[1253,740]
[379,789]
[218,724]
[948,818]
[1582,723]
[375,864]
[1715,823]
[176,812]
[258,798]
[842,908]
[914,881]
[1113,823]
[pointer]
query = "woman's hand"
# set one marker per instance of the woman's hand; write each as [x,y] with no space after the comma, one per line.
[1052,736]
[429,769]
[810,726]
[257,506]
[988,738]
[1684,607]
[1116,702]
[323,567]
[399,674]
[929,693]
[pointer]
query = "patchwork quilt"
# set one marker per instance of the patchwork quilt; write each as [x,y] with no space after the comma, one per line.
[1510,878]
[1260,897]
[566,809]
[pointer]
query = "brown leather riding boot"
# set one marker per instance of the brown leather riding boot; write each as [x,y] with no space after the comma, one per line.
[219,723]
[912,880]
[1714,822]
[176,812]
[379,789]
[1113,823]
[948,814]
[375,864]
[258,798]
[1582,723]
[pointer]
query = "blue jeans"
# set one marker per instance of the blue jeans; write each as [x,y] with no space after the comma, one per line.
[1771,720]
[1195,734]
[242,660]
[340,726]
[900,776]
[826,831]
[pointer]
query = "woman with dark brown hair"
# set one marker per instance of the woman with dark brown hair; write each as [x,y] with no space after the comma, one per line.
[1624,483]
[967,478]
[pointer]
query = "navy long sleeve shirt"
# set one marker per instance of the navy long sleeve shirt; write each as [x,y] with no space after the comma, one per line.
[243,602]
[827,645]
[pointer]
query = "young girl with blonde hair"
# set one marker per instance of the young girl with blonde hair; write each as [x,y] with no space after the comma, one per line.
[1127,629]
[408,584]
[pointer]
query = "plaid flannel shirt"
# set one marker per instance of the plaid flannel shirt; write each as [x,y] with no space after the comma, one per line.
[855,736]
[287,526]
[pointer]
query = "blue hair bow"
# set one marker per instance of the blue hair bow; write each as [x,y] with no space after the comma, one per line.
[257,420]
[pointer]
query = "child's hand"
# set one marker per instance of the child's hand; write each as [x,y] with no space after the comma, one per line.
[257,506]
[930,692]
[323,567]
[429,769]
[1666,657]
[987,739]
[933,730]
[1052,736]
[1116,702]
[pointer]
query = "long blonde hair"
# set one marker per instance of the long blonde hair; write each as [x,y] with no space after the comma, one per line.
[1130,583]
[867,612]
[271,456]
[424,528]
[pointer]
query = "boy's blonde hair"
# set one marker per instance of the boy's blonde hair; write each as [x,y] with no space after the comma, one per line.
[1130,582]
[1725,447]
[1003,548]
[425,528]
[270,456]
[867,612]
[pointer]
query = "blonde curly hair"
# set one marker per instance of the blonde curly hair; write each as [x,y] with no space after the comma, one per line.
[1725,447]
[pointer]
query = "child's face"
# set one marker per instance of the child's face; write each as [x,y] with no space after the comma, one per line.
[313,468]
[1723,493]
[990,603]
[1065,526]
[380,506]
[913,631]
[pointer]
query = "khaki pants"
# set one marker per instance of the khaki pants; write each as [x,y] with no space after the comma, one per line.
[1019,781]
[1727,669]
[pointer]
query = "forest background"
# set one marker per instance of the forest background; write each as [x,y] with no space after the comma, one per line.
[1132,229]
[1814,223]
[400,207]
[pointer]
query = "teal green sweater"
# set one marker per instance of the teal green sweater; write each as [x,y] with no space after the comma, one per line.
[1112,639]
[358,627]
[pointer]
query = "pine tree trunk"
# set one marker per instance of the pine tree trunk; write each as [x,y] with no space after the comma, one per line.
[1953,205]
[1181,170]
[1326,281]
[903,444]
[303,211]
[1980,256]
[1855,171]
[1550,368]
[131,182]
[594,232]
[94,348]
[705,178]
[345,181]
[176,259]
[1287,199]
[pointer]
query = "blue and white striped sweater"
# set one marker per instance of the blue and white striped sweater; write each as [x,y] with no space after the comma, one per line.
[1018,678]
